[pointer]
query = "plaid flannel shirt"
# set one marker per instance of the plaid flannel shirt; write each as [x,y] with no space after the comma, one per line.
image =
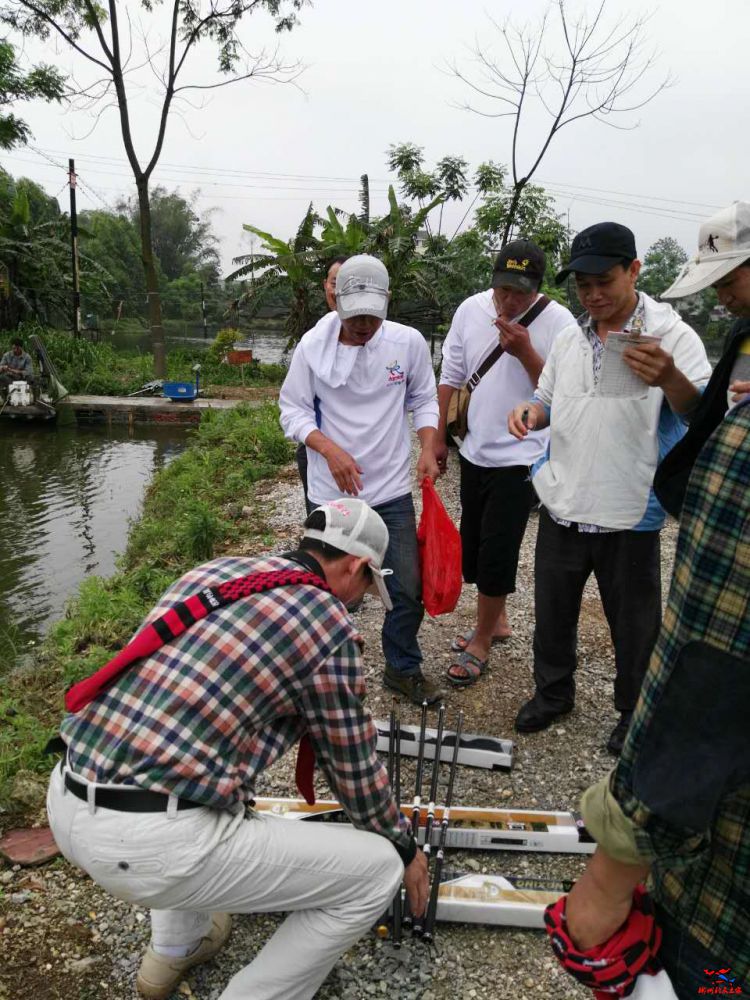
[701,878]
[209,711]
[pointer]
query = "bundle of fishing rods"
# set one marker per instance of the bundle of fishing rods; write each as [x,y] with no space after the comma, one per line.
[400,912]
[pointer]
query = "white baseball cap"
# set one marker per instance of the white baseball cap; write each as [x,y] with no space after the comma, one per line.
[362,287]
[354,527]
[723,244]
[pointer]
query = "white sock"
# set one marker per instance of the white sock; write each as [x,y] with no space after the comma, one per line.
[176,950]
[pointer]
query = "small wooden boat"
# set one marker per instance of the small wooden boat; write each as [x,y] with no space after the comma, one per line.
[36,398]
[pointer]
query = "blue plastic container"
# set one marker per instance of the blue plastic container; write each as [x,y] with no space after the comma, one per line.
[180,390]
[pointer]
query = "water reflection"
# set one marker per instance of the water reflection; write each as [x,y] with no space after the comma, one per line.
[67,496]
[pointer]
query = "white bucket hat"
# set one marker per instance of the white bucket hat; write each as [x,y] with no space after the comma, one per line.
[723,244]
[354,527]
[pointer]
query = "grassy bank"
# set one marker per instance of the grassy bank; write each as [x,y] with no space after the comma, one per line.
[100,370]
[192,511]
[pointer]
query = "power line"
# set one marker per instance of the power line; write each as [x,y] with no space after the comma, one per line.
[559,190]
[196,168]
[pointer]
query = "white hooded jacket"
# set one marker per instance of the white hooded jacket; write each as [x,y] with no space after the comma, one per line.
[602,454]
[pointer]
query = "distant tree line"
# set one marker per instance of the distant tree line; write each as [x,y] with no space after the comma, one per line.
[35,260]
[431,270]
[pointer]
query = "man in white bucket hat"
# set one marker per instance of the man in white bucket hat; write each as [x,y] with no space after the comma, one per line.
[723,263]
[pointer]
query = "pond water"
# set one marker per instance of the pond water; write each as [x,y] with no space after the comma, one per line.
[268,342]
[67,496]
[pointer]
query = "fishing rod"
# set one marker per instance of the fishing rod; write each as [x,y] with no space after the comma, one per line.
[429,924]
[391,741]
[407,917]
[397,901]
[381,928]
[418,924]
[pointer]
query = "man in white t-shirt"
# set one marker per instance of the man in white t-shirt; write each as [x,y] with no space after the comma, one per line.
[352,382]
[496,491]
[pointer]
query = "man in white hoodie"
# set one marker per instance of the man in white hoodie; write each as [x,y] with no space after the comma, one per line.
[352,382]
[595,482]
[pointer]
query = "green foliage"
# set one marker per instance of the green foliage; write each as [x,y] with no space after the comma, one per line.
[100,370]
[661,265]
[41,82]
[183,241]
[535,219]
[187,261]
[294,263]
[22,741]
[201,531]
[223,342]
[34,255]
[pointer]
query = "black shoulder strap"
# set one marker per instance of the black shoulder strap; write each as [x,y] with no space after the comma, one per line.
[526,320]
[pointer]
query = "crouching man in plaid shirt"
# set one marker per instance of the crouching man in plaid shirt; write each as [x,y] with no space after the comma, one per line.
[152,797]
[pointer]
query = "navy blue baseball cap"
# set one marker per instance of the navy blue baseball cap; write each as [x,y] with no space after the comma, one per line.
[598,248]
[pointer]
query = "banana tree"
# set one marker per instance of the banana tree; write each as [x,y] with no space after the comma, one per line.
[294,264]
[393,238]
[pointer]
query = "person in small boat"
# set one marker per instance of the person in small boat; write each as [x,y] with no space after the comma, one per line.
[15,365]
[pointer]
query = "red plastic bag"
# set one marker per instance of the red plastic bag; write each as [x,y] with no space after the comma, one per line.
[439,554]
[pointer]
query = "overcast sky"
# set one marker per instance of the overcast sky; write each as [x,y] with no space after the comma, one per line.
[375,75]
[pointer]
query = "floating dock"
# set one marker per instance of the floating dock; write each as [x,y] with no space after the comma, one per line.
[143,409]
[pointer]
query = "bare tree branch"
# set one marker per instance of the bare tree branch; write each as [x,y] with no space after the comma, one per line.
[591,70]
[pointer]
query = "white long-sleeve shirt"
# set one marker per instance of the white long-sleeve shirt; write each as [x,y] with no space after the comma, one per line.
[470,339]
[359,397]
[603,452]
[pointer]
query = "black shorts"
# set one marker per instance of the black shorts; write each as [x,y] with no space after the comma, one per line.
[495,506]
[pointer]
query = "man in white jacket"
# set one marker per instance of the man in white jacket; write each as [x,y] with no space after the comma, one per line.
[595,482]
[352,382]
[496,490]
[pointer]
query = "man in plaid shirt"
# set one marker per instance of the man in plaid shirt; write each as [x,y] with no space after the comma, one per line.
[152,799]
[678,803]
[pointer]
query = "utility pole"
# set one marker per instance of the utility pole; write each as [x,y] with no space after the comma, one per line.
[74,249]
[203,312]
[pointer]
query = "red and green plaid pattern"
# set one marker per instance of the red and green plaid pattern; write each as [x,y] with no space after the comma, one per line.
[709,601]
[206,713]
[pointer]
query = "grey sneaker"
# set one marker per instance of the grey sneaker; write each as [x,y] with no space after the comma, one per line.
[416,687]
[159,975]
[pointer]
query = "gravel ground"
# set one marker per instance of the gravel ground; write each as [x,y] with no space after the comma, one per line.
[62,937]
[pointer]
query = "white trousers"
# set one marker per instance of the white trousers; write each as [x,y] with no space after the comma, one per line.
[334,881]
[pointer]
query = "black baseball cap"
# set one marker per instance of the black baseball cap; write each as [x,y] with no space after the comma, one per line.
[519,264]
[598,248]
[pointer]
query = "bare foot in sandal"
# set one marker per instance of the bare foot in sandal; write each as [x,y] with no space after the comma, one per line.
[463,639]
[466,669]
